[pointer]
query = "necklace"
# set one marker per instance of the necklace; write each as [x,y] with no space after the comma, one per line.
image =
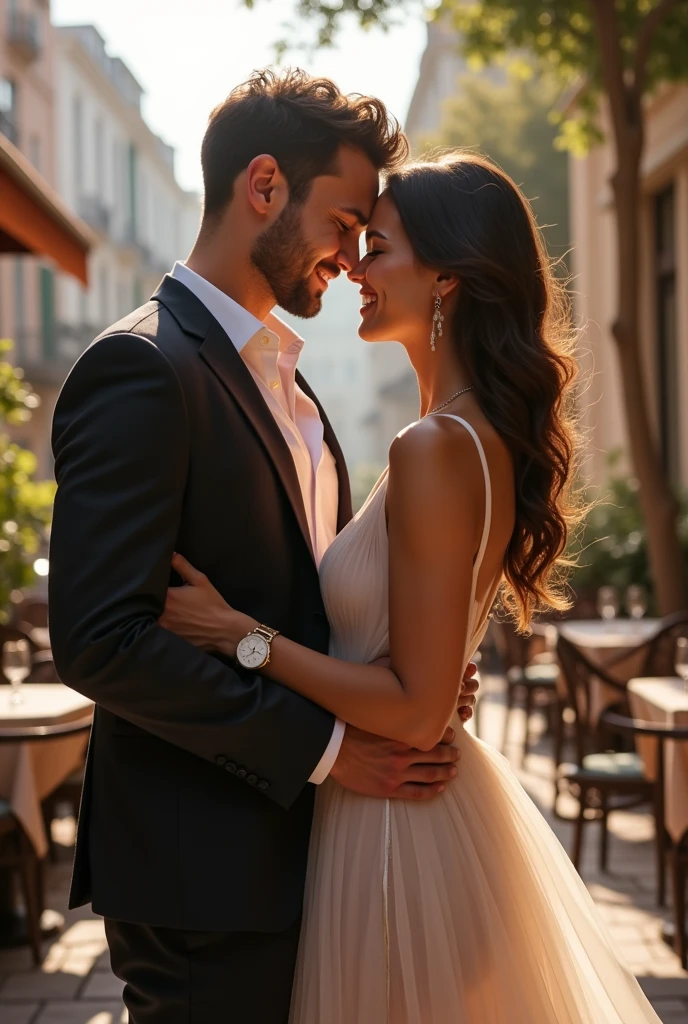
[443,405]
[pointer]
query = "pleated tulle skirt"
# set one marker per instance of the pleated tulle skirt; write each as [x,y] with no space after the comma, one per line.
[464,910]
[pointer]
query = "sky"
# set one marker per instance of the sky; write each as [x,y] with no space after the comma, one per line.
[188,54]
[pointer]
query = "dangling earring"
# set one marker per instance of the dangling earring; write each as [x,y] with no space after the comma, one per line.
[437,321]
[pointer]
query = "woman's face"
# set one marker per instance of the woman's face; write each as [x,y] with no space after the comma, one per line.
[396,290]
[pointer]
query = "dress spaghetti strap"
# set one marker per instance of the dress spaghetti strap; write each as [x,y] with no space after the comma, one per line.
[488,492]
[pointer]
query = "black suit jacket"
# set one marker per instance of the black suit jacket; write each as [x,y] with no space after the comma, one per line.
[196,809]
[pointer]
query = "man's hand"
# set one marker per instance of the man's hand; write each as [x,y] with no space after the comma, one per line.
[377,767]
[469,688]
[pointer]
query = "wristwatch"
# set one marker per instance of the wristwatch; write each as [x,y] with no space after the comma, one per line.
[253,650]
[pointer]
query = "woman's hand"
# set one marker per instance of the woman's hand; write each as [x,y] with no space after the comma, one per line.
[201,615]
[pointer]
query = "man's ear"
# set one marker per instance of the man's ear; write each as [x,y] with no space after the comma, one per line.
[267,190]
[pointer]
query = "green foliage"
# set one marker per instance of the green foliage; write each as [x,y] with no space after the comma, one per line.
[612,548]
[25,505]
[557,37]
[509,122]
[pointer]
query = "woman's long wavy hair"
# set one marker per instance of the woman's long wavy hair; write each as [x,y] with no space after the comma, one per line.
[512,328]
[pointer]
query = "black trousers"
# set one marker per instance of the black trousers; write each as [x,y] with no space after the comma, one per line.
[183,977]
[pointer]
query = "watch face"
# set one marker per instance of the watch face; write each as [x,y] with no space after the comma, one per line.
[252,651]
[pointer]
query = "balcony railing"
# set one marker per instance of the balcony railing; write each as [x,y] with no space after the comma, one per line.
[96,214]
[8,128]
[23,34]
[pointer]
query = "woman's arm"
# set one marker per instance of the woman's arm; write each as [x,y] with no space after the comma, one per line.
[435,505]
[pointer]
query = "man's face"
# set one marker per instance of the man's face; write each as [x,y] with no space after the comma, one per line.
[312,242]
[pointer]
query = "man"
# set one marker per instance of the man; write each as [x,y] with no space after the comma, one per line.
[186,427]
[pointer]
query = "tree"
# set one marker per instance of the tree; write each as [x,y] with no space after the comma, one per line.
[611,54]
[25,505]
[509,121]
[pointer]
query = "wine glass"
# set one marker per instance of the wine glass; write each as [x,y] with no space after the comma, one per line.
[681,662]
[16,664]
[608,603]
[636,601]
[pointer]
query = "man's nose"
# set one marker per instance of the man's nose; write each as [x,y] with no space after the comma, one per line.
[348,256]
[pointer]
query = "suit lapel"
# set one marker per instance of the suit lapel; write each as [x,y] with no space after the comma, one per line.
[344,508]
[218,352]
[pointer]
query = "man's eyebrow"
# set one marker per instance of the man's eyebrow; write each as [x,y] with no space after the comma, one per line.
[355,212]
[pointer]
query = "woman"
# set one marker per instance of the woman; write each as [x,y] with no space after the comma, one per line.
[465,909]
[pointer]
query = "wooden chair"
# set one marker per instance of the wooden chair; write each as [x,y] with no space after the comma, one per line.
[678,851]
[661,648]
[16,851]
[17,854]
[527,680]
[31,612]
[603,780]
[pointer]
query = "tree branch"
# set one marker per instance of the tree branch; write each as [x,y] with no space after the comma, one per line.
[646,37]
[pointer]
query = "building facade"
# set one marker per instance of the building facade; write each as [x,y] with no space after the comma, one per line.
[663,288]
[27,120]
[119,177]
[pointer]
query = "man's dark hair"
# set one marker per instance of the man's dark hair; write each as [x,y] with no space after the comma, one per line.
[299,120]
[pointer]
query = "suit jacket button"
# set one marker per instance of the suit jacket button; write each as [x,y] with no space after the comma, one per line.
[263,784]
[241,773]
[230,767]
[220,761]
[252,779]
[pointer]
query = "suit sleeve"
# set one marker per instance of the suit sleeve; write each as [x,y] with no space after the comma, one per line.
[121,446]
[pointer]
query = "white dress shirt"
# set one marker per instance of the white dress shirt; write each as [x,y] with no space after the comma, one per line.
[270,351]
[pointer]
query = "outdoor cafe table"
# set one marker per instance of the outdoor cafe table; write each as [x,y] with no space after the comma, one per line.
[30,771]
[611,644]
[664,701]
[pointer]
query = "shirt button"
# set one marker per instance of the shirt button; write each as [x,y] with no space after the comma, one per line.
[252,779]
[241,773]
[220,761]
[265,340]
[274,385]
[263,784]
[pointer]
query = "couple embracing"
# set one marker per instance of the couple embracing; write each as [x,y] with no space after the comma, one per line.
[283,819]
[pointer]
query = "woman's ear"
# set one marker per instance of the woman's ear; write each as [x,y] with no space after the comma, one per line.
[446,285]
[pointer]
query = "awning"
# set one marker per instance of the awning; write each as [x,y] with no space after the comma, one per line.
[34,219]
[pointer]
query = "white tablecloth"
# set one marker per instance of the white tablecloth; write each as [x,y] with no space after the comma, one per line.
[31,770]
[664,700]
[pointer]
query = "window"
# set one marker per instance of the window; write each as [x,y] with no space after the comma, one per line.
[666,329]
[78,141]
[8,110]
[99,145]
[47,288]
[19,307]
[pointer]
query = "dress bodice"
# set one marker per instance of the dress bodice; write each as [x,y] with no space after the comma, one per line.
[355,570]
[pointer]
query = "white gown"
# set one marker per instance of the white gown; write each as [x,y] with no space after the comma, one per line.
[462,910]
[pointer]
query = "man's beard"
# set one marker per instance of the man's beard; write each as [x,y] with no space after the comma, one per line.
[286,263]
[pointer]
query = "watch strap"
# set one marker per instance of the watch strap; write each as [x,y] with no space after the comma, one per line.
[266,632]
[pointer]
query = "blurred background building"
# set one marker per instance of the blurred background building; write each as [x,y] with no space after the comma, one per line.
[663,287]
[74,112]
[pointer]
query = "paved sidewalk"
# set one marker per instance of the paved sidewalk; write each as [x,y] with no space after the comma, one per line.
[75,986]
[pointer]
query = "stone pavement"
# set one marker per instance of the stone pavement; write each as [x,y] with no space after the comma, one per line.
[74,984]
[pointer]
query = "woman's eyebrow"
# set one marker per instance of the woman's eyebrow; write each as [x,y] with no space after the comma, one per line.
[375,234]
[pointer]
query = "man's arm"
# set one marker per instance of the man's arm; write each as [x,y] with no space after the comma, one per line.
[121,445]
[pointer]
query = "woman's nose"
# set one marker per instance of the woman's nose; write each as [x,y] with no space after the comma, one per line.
[357,273]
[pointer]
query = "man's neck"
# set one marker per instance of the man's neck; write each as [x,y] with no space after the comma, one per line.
[232,274]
